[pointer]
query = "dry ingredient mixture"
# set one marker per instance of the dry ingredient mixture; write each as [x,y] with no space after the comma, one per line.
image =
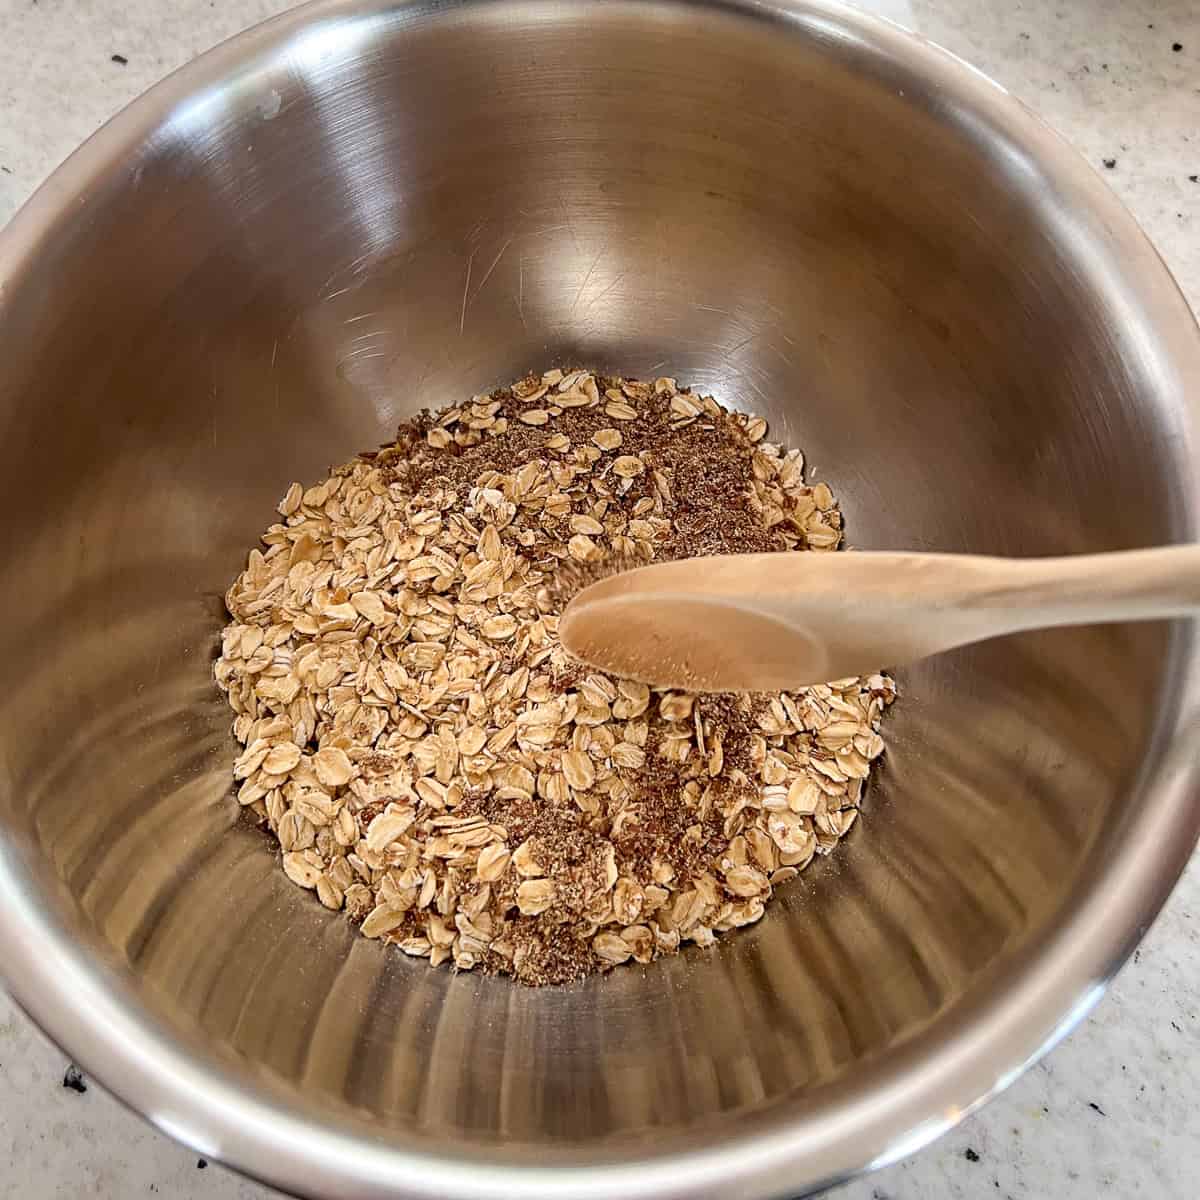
[431,760]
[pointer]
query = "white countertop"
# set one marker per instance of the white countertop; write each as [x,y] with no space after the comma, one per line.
[1113,1112]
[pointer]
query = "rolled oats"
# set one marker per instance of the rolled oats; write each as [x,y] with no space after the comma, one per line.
[430,760]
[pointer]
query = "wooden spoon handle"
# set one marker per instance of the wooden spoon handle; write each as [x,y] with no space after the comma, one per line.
[1129,585]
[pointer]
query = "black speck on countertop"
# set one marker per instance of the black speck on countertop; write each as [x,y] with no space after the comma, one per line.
[1177,46]
[1096,1108]
[1191,178]
[1109,163]
[74,1079]
[970,1155]
[120,60]
[201,1163]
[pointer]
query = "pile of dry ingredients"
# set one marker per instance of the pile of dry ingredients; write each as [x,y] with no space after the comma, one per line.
[435,765]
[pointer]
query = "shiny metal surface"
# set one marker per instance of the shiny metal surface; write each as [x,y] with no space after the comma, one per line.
[360,209]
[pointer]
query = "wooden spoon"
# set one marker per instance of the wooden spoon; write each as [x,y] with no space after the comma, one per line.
[768,622]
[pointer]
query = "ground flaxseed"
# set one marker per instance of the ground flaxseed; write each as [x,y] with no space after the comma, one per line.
[431,761]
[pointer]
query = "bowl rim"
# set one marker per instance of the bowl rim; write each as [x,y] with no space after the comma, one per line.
[920,1089]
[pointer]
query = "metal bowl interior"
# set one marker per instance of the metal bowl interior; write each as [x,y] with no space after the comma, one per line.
[361,209]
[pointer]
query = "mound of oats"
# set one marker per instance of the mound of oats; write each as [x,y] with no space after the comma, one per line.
[432,762]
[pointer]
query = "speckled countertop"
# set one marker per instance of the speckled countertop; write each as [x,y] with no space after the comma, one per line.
[1113,1112]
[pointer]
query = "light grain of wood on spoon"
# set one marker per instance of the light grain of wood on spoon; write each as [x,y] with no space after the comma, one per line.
[767,622]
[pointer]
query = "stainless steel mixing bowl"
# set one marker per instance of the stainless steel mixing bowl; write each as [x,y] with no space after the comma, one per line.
[362,208]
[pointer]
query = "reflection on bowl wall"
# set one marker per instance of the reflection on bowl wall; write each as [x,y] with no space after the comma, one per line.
[361,209]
